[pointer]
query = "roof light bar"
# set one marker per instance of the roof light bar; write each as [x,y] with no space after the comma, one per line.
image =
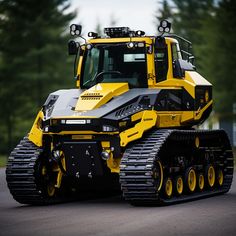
[117,32]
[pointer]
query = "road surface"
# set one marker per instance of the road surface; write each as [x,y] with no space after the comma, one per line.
[113,216]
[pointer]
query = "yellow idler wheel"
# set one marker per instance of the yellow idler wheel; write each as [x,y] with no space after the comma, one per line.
[168,187]
[51,189]
[190,180]
[201,182]
[44,170]
[179,185]
[210,175]
[220,177]
[197,142]
[158,175]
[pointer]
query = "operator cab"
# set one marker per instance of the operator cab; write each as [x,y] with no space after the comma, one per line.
[114,63]
[130,56]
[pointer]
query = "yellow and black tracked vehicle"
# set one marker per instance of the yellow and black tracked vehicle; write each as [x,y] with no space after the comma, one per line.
[130,122]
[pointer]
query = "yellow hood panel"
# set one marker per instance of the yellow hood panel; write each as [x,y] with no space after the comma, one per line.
[99,95]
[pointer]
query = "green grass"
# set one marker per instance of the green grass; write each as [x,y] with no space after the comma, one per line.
[3,160]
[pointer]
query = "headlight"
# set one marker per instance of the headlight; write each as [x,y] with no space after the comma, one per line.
[46,129]
[75,122]
[105,155]
[108,128]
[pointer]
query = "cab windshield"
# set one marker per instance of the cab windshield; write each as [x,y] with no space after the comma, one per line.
[115,63]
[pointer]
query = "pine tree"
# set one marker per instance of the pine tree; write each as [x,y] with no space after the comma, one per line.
[222,55]
[190,16]
[98,28]
[113,21]
[33,59]
[188,22]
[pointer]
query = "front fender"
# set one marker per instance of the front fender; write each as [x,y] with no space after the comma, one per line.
[36,132]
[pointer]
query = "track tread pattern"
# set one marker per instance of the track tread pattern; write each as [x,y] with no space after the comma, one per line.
[21,174]
[136,179]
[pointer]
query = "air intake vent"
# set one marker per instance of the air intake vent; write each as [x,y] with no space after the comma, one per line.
[91,96]
[125,111]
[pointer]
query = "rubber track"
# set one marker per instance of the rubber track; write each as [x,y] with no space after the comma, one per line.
[23,180]
[21,174]
[136,180]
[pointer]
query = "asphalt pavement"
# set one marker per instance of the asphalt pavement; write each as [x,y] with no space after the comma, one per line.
[113,216]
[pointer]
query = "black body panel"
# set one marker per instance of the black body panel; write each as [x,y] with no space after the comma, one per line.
[83,158]
[122,107]
[174,100]
[203,96]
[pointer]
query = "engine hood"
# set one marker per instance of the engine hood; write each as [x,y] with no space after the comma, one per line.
[105,109]
[99,95]
[100,101]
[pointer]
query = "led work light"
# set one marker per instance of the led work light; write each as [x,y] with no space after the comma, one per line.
[164,27]
[75,29]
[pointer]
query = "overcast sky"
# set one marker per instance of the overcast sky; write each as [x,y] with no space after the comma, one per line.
[136,14]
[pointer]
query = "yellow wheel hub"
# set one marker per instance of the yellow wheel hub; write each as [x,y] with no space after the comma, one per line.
[201,181]
[168,187]
[192,180]
[179,185]
[211,176]
[220,177]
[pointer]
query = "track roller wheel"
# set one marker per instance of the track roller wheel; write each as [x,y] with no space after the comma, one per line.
[201,181]
[220,177]
[210,175]
[168,187]
[158,175]
[178,185]
[190,180]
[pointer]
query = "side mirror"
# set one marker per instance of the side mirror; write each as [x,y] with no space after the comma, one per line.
[160,42]
[73,47]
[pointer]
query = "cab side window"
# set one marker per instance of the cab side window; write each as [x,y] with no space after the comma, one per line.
[176,55]
[161,64]
[175,51]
